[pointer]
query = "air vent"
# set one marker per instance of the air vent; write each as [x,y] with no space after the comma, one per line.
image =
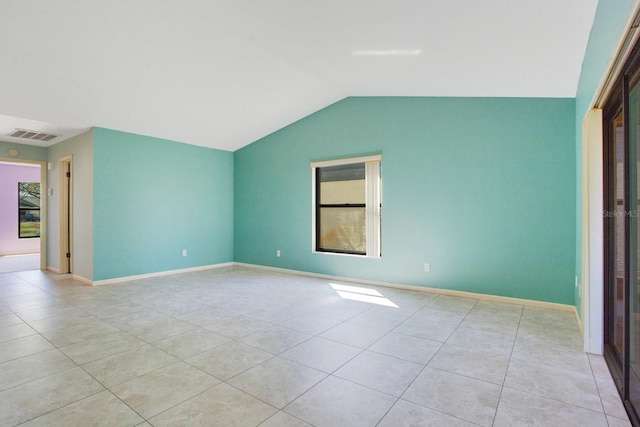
[33,135]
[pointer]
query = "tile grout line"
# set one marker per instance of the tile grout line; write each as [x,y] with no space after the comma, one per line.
[506,372]
[425,365]
[604,411]
[183,286]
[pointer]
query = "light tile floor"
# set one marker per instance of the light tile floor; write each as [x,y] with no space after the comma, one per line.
[245,347]
[11,263]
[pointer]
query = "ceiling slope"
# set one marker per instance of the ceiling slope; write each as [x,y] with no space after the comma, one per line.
[225,73]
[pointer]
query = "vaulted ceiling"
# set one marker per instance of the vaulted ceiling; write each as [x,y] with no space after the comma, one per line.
[224,73]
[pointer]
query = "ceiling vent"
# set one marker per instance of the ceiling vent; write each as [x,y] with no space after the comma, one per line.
[33,135]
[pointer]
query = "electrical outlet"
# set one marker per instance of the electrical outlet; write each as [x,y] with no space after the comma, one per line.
[278,253]
[427,267]
[184,252]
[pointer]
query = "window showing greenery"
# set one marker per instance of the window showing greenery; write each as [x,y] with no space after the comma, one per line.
[347,206]
[28,209]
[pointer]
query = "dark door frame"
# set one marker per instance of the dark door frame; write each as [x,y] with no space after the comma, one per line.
[618,102]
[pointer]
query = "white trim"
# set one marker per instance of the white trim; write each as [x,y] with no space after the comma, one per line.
[44,214]
[14,160]
[373,184]
[592,233]
[65,214]
[345,255]
[462,294]
[626,41]
[346,161]
[157,274]
[313,210]
[82,279]
[53,269]
[18,254]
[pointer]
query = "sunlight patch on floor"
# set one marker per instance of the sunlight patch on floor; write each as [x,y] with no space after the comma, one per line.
[357,293]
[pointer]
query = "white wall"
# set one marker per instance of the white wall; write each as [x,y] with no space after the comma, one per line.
[81,149]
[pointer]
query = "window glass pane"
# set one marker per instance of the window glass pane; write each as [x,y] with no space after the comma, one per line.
[29,209]
[29,222]
[343,229]
[634,245]
[29,195]
[350,172]
[343,192]
[343,184]
[620,230]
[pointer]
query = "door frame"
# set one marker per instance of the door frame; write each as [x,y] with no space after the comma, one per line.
[592,286]
[65,217]
[617,359]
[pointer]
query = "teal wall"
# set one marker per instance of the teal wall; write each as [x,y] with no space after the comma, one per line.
[152,199]
[481,188]
[608,25]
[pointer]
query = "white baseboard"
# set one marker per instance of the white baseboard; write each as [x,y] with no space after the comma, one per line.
[72,276]
[157,274]
[19,253]
[463,294]
[82,279]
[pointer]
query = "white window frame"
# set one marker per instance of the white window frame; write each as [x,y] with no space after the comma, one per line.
[373,200]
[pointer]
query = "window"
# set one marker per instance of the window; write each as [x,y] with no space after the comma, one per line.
[347,206]
[28,209]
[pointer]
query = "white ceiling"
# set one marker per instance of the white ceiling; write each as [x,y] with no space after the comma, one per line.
[223,73]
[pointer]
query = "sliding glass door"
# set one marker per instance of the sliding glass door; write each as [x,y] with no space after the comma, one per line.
[621,253]
[634,192]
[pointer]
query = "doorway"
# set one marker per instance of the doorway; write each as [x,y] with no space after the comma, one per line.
[23,215]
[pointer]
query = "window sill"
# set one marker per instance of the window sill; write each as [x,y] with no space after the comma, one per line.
[346,255]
